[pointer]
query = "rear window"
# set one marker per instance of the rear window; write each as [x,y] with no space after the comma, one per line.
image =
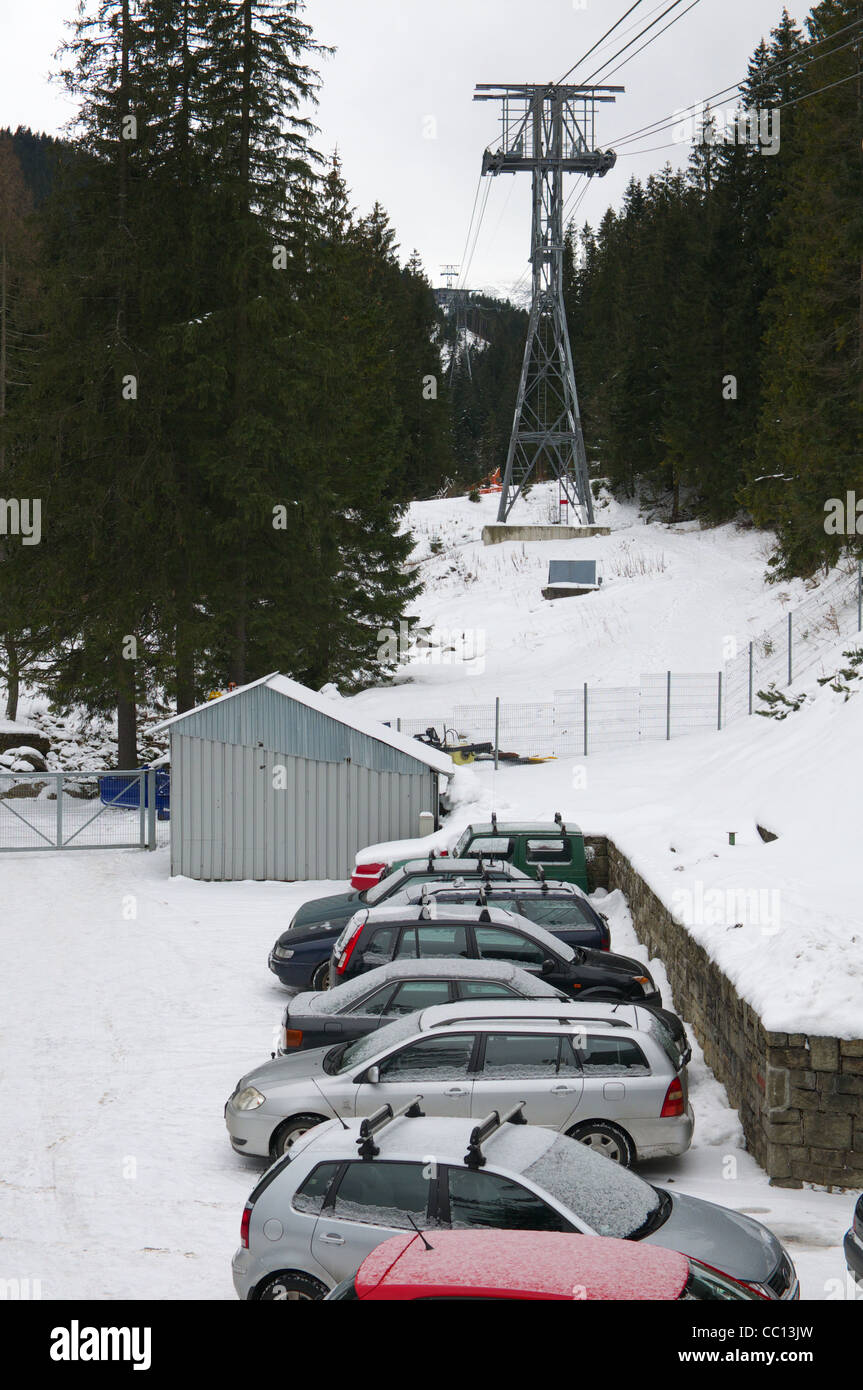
[662,1035]
[384,887]
[601,1056]
[549,852]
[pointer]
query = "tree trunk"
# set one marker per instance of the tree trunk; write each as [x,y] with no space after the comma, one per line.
[127,717]
[13,677]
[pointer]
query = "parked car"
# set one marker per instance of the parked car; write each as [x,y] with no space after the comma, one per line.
[374,936]
[300,957]
[616,1086]
[551,847]
[564,909]
[365,1003]
[854,1244]
[548,1265]
[348,1185]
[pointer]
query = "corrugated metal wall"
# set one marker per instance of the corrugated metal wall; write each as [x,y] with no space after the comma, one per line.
[231,818]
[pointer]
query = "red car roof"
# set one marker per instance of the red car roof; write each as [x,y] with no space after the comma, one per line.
[520,1264]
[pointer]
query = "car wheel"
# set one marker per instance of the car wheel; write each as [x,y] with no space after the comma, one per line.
[288,1133]
[606,1139]
[291,1288]
[321,977]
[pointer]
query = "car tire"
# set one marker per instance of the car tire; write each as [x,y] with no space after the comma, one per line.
[290,1131]
[607,1139]
[321,976]
[290,1287]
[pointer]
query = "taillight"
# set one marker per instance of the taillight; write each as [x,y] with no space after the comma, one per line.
[348,950]
[672,1106]
[366,875]
[292,1037]
[244,1226]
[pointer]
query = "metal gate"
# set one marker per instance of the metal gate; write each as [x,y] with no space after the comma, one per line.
[82,810]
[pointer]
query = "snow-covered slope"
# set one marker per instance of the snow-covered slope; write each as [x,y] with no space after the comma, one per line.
[783,919]
[670,599]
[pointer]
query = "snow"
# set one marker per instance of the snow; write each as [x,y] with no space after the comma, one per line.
[122,1037]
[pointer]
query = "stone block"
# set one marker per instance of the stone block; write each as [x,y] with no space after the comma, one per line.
[824,1053]
[827,1131]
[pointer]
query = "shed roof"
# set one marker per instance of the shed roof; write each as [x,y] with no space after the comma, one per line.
[338,710]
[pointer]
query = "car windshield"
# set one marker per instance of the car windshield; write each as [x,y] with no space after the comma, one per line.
[611,1199]
[462,844]
[343,1058]
[388,884]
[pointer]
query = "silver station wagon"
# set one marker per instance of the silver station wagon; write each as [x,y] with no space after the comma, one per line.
[348,1185]
[608,1075]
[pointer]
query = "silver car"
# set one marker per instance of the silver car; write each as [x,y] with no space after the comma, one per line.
[346,1186]
[608,1075]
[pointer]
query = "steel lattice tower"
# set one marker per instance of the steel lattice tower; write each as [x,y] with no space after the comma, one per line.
[548,130]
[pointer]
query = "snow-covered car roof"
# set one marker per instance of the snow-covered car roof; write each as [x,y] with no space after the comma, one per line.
[330,1001]
[609,1199]
[537,1264]
[523,827]
[467,912]
[528,886]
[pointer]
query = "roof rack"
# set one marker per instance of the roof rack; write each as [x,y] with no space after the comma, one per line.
[540,873]
[494,821]
[431,861]
[376,1122]
[558,820]
[565,1021]
[484,916]
[475,1158]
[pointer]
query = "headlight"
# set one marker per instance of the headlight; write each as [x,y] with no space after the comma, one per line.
[282,953]
[248,1099]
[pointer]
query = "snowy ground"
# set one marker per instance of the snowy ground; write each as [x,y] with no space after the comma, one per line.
[670,599]
[121,1038]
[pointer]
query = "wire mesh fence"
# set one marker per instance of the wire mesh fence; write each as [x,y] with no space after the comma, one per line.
[666,704]
[82,810]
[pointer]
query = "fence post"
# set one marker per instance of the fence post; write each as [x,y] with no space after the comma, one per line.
[859,595]
[585,718]
[496,731]
[151,808]
[668,709]
[790,667]
[751,658]
[398,726]
[719,704]
[59,810]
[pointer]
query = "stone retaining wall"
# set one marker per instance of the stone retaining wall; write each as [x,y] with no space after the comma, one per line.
[800,1097]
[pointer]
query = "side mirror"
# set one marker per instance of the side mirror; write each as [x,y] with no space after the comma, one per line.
[373,1076]
[548,967]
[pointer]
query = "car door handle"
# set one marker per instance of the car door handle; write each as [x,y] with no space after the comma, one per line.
[332,1239]
[560,1090]
[456,1091]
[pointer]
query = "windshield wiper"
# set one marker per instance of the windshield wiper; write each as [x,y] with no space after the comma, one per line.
[656,1218]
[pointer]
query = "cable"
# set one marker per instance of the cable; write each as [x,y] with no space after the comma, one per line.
[598,43]
[794,62]
[668,26]
[673,6]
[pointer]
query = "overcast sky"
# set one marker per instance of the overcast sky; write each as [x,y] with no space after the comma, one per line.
[397,99]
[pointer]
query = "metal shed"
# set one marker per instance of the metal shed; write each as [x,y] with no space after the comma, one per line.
[274,781]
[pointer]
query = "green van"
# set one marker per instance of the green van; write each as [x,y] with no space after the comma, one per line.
[537,848]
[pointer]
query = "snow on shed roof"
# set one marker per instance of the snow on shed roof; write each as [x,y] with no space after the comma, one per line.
[339,710]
